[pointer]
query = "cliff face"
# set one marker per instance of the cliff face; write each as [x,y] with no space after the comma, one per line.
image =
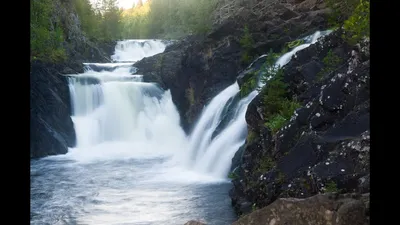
[199,67]
[51,127]
[325,145]
[52,130]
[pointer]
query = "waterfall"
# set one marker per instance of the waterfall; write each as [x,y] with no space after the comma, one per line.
[213,155]
[116,115]
[111,107]
[134,50]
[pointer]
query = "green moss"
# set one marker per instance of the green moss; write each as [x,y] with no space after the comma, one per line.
[295,43]
[266,164]
[281,177]
[248,86]
[331,63]
[331,187]
[233,175]
[190,96]
[251,136]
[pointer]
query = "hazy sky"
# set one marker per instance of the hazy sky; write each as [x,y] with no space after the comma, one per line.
[127,3]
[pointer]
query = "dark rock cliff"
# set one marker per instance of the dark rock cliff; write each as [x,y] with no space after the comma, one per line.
[51,127]
[199,67]
[325,146]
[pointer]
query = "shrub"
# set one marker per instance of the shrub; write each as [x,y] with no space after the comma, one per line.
[357,26]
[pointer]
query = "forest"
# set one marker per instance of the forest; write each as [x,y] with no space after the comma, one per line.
[103,20]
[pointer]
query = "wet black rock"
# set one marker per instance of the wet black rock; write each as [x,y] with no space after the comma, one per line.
[325,145]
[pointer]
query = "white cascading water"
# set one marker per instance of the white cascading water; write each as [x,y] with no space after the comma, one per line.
[213,155]
[122,117]
[134,50]
[128,166]
[133,164]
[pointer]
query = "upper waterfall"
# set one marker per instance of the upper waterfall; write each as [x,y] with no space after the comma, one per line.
[136,49]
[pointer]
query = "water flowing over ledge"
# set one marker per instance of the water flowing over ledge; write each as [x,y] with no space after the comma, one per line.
[213,155]
[133,162]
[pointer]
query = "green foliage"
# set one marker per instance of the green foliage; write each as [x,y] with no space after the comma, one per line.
[281,177]
[248,86]
[246,58]
[47,37]
[100,22]
[341,10]
[275,123]
[331,187]
[354,15]
[278,108]
[295,43]
[233,175]
[254,207]
[246,42]
[331,62]
[88,18]
[110,17]
[168,19]
[266,164]
[357,26]
[288,107]
[251,136]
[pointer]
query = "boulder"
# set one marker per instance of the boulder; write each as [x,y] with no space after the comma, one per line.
[319,209]
[194,222]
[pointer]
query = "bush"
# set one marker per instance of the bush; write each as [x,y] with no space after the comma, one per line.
[331,63]
[341,10]
[275,122]
[357,26]
[46,36]
[331,187]
[277,107]
[248,86]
